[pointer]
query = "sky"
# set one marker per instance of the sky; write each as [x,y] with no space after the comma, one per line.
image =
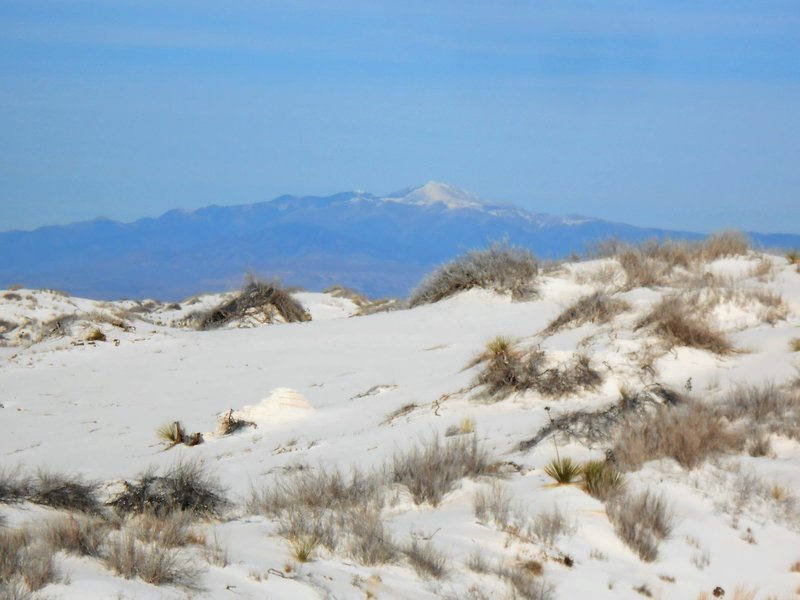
[681,115]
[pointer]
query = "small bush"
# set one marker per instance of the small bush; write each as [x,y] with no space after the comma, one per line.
[507,369]
[763,409]
[228,424]
[598,307]
[426,559]
[26,564]
[492,503]
[79,535]
[678,325]
[432,470]
[184,487]
[601,480]
[96,335]
[563,470]
[128,557]
[171,530]
[65,492]
[794,344]
[526,581]
[258,300]
[13,486]
[641,521]
[723,244]
[688,433]
[500,268]
[549,525]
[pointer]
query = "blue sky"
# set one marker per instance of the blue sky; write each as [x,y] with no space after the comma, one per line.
[674,114]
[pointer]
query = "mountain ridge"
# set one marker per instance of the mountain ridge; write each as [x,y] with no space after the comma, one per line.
[381,245]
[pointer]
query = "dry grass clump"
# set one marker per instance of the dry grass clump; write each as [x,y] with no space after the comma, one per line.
[185,487]
[677,324]
[128,557]
[601,479]
[641,521]
[500,268]
[26,564]
[599,307]
[549,525]
[259,301]
[433,469]
[763,409]
[69,492]
[426,559]
[77,534]
[794,344]
[341,513]
[14,487]
[724,244]
[525,580]
[688,433]
[507,369]
[492,503]
[229,424]
[96,335]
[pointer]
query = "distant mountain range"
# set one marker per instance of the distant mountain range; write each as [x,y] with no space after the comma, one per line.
[382,246]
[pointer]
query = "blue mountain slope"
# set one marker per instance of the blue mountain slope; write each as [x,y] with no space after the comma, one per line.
[382,246]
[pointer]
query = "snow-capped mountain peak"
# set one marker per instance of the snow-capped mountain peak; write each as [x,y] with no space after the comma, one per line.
[435,192]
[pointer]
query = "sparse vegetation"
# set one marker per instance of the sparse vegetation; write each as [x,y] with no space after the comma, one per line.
[677,324]
[230,424]
[598,307]
[96,335]
[426,559]
[549,525]
[78,534]
[642,521]
[508,369]
[128,557]
[26,563]
[794,344]
[186,486]
[174,433]
[493,503]
[688,433]
[500,268]
[69,492]
[433,469]
[259,302]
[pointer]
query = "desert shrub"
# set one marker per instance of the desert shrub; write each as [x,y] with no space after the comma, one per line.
[598,427]
[341,513]
[549,525]
[507,369]
[492,503]
[433,469]
[598,307]
[687,433]
[68,492]
[183,487]
[794,344]
[641,521]
[763,409]
[426,559]
[677,324]
[563,470]
[369,541]
[500,268]
[26,564]
[724,243]
[601,480]
[14,487]
[258,300]
[477,562]
[157,565]
[77,534]
[526,581]
[171,530]
[96,335]
[229,424]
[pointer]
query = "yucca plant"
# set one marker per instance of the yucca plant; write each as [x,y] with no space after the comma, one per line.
[171,434]
[601,480]
[303,547]
[563,470]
